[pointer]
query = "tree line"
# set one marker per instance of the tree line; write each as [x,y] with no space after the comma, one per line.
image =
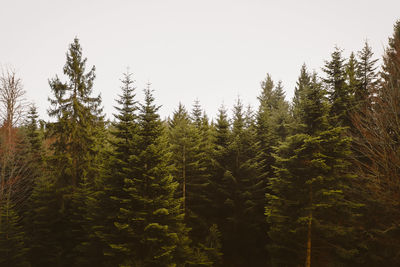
[313,182]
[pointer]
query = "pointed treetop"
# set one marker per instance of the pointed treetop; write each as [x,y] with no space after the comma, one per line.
[366,68]
[267,85]
[196,114]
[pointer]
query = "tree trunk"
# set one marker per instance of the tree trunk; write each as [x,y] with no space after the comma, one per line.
[184,179]
[308,256]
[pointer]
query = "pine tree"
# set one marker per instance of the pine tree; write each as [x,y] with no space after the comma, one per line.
[107,200]
[12,236]
[196,116]
[339,95]
[76,142]
[44,224]
[352,81]
[272,124]
[151,218]
[189,156]
[304,81]
[79,118]
[308,210]
[33,134]
[238,189]
[184,140]
[366,73]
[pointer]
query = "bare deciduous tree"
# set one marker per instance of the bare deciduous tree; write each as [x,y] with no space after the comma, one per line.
[12,98]
[13,166]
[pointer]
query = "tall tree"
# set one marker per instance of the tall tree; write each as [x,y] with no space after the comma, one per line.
[151,217]
[123,147]
[78,118]
[339,95]
[366,73]
[309,213]
[12,236]
[76,142]
[188,156]
[377,138]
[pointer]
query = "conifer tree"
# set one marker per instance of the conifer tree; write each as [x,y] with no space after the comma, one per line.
[196,116]
[190,163]
[339,95]
[78,118]
[108,199]
[184,140]
[44,224]
[76,141]
[366,73]
[308,210]
[239,191]
[272,124]
[12,236]
[151,217]
[33,135]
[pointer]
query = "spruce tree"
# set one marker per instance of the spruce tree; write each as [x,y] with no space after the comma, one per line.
[339,95]
[366,73]
[238,190]
[151,217]
[308,210]
[44,224]
[12,236]
[78,120]
[76,142]
[189,156]
[108,199]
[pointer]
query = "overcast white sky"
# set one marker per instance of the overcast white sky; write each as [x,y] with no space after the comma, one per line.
[212,50]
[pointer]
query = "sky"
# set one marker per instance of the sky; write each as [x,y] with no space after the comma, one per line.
[211,50]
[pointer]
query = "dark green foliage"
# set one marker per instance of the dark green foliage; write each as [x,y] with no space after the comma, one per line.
[366,74]
[78,120]
[340,96]
[310,186]
[44,224]
[312,183]
[108,199]
[238,190]
[12,237]
[188,144]
[75,157]
[33,134]
[271,125]
[151,218]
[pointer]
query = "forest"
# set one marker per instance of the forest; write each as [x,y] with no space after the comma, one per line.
[310,182]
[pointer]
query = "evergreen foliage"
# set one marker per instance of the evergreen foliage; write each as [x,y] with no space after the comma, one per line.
[313,182]
[12,237]
[151,217]
[310,186]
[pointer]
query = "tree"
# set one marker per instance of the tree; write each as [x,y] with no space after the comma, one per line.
[309,213]
[272,124]
[366,73]
[377,132]
[151,217]
[75,157]
[13,166]
[12,99]
[339,95]
[238,192]
[78,119]
[44,224]
[12,237]
[189,158]
[111,194]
